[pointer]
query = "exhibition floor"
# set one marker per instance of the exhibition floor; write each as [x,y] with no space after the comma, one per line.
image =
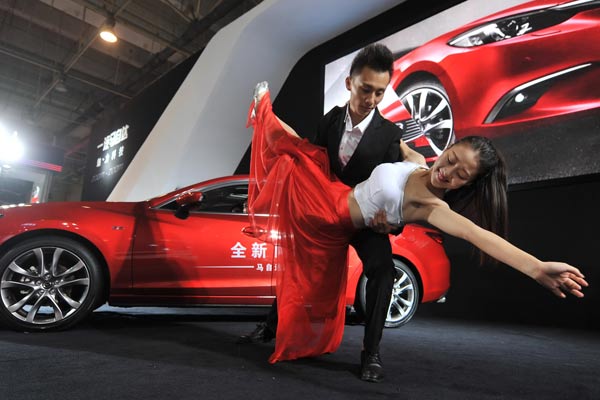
[192,354]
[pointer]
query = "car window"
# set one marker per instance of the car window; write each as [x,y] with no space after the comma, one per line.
[224,199]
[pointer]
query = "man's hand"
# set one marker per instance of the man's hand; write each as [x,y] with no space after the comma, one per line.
[409,154]
[379,223]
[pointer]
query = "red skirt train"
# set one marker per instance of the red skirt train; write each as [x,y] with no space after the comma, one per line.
[310,226]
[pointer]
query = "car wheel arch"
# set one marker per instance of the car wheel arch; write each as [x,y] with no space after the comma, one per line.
[414,77]
[15,240]
[441,78]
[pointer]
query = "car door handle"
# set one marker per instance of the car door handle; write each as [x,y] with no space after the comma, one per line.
[254,232]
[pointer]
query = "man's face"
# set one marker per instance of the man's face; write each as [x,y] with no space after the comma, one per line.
[366,92]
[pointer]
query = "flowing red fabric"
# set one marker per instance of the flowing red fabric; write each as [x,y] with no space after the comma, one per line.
[310,226]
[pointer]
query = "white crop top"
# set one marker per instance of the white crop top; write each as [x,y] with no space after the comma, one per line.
[384,190]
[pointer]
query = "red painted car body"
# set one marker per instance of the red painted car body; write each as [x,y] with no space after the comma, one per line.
[538,61]
[146,256]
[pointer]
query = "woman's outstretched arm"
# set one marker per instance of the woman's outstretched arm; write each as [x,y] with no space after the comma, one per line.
[559,278]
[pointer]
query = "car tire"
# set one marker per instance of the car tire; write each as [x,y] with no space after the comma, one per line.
[48,283]
[405,296]
[432,113]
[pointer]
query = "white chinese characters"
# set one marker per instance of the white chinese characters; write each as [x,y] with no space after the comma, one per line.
[109,153]
[258,251]
[238,251]
[115,138]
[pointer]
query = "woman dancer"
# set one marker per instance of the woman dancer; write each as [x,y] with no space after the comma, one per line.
[313,217]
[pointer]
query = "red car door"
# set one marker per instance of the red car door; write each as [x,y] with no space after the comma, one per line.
[210,257]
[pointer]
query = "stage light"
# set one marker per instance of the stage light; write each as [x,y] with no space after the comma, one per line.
[107,33]
[11,147]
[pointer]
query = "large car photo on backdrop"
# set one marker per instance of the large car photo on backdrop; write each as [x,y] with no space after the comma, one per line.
[60,261]
[530,65]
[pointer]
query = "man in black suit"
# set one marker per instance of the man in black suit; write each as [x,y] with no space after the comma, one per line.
[357,139]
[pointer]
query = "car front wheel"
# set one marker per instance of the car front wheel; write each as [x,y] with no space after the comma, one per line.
[405,296]
[48,283]
[429,105]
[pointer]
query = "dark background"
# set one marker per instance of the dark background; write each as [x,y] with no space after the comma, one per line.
[554,220]
[141,114]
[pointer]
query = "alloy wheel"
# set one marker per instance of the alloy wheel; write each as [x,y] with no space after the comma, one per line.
[44,285]
[430,108]
[404,299]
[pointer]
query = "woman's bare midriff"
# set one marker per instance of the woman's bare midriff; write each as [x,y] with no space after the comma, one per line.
[355,214]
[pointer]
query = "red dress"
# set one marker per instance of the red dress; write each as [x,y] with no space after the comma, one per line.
[310,225]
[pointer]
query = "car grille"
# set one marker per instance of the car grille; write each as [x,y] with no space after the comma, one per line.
[410,129]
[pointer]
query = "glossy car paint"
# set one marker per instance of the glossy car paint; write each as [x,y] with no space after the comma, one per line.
[476,78]
[153,258]
[106,227]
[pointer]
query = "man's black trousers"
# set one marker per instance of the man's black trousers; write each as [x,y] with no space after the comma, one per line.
[375,252]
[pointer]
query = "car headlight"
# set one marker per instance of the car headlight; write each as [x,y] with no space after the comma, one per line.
[520,24]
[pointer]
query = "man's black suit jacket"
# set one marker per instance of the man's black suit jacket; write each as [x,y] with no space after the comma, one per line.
[380,143]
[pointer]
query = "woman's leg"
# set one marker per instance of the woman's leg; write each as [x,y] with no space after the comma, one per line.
[287,128]
[261,89]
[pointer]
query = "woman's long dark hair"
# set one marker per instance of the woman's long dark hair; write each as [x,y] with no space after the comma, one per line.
[484,201]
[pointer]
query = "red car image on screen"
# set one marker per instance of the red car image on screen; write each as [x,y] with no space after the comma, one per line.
[524,66]
[60,261]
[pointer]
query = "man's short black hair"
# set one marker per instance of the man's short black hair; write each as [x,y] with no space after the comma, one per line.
[375,56]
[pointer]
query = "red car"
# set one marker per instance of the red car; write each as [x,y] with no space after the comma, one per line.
[512,70]
[60,261]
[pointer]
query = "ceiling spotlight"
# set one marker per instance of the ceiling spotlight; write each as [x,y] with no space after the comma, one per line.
[61,87]
[107,33]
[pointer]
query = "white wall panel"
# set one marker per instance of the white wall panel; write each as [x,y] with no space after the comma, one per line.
[201,133]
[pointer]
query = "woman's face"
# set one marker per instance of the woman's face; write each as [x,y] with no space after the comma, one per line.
[456,167]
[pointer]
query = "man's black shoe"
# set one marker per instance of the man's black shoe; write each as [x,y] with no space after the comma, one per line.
[262,334]
[371,369]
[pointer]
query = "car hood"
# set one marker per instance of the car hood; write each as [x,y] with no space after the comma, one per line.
[67,208]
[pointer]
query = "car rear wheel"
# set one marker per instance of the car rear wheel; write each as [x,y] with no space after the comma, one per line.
[405,296]
[428,104]
[48,283]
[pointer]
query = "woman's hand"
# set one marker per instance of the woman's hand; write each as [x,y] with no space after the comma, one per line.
[561,278]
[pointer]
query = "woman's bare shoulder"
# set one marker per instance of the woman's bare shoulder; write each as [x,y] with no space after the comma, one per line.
[419,200]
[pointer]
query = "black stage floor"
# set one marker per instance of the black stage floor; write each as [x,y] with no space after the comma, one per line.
[191,354]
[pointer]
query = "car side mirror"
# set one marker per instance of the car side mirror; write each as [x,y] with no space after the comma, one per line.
[186,202]
[189,198]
